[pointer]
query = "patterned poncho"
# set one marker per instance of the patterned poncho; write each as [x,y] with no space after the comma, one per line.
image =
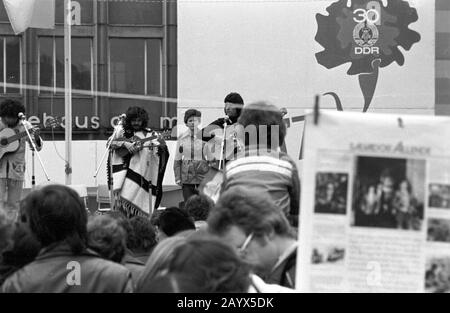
[137,179]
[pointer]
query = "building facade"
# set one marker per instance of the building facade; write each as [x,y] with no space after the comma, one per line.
[124,53]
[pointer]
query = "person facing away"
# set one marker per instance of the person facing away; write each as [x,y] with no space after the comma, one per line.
[198,207]
[264,168]
[209,265]
[139,158]
[251,223]
[21,250]
[12,164]
[57,217]
[190,165]
[142,239]
[173,221]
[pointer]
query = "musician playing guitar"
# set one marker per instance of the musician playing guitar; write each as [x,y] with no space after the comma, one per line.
[139,158]
[12,154]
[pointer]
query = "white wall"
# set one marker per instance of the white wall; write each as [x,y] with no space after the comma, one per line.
[86,156]
[266,51]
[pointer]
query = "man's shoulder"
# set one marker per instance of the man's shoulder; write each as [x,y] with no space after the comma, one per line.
[217,123]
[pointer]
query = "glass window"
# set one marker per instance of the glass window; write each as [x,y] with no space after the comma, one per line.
[127,66]
[81,63]
[154,66]
[12,45]
[45,63]
[1,63]
[51,63]
[10,64]
[135,66]
[143,12]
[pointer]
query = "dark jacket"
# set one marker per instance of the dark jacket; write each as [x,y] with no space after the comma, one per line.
[134,265]
[283,273]
[56,269]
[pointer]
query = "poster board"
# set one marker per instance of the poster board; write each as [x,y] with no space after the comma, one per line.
[375,204]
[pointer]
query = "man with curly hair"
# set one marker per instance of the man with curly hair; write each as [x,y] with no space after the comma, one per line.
[139,158]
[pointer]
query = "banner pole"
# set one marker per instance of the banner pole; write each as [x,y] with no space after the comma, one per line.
[68,90]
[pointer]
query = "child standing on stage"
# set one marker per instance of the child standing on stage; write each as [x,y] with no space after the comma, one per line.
[12,164]
[190,166]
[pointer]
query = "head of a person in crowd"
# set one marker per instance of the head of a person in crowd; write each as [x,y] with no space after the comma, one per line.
[107,237]
[211,266]
[6,231]
[23,248]
[158,261]
[56,214]
[143,237]
[173,221]
[192,119]
[198,207]
[253,225]
[136,119]
[123,221]
[233,106]
[9,112]
[266,120]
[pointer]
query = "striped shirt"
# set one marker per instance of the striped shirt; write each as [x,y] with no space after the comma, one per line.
[274,173]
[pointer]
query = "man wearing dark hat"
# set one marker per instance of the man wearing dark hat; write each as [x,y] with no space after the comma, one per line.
[233,107]
[215,136]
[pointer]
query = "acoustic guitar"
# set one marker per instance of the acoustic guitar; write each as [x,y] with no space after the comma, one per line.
[139,142]
[9,140]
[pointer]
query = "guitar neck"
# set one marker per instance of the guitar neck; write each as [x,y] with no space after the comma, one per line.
[140,140]
[17,136]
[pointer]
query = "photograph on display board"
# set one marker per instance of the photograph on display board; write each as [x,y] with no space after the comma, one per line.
[331,193]
[388,193]
[331,254]
[439,196]
[438,229]
[437,275]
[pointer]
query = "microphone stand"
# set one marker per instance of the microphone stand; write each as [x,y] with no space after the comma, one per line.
[33,150]
[116,130]
[222,146]
[108,151]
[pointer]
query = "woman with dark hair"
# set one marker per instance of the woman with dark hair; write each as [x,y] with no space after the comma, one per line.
[57,218]
[139,158]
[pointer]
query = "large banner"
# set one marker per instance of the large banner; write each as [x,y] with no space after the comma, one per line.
[375,205]
[374,56]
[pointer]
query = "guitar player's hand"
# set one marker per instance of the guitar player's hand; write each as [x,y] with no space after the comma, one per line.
[131,147]
[35,131]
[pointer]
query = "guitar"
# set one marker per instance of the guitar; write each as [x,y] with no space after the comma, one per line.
[139,142]
[9,140]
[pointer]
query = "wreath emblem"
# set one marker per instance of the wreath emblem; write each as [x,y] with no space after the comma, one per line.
[367,34]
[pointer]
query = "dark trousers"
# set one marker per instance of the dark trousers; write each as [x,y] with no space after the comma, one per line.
[189,190]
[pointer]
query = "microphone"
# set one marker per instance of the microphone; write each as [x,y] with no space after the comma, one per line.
[227,119]
[21,116]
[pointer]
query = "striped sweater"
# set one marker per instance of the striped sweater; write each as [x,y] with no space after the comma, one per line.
[273,172]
